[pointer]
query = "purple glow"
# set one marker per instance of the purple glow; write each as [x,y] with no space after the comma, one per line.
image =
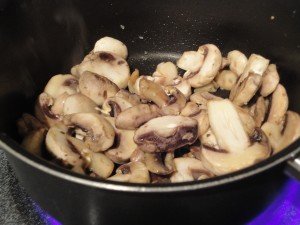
[284,210]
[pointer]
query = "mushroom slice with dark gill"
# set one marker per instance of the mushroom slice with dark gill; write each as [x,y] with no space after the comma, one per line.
[109,44]
[93,129]
[58,146]
[97,163]
[159,163]
[123,146]
[97,87]
[189,169]
[166,133]
[133,172]
[106,64]
[134,117]
[208,69]
[60,84]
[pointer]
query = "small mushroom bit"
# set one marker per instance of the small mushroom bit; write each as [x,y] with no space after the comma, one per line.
[104,122]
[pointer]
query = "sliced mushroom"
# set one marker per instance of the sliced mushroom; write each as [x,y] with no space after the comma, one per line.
[183,86]
[165,74]
[96,87]
[121,101]
[132,80]
[109,44]
[123,146]
[226,79]
[133,172]
[34,140]
[255,65]
[60,84]
[93,129]
[225,63]
[246,90]
[96,162]
[237,61]
[156,164]
[191,61]
[176,101]
[134,117]
[209,68]
[166,133]
[211,87]
[78,103]
[191,109]
[270,80]
[220,163]
[189,169]
[209,141]
[28,123]
[247,120]
[279,105]
[43,110]
[58,146]
[227,125]
[105,64]
[137,156]
[201,98]
[260,111]
[280,139]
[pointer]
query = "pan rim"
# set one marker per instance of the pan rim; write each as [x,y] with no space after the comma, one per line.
[12,147]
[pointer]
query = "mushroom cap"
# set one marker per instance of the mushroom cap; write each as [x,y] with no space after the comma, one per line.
[106,64]
[166,133]
[237,61]
[78,103]
[109,44]
[97,87]
[210,67]
[133,172]
[57,145]
[99,134]
[61,83]
[134,117]
[191,61]
[270,80]
[189,169]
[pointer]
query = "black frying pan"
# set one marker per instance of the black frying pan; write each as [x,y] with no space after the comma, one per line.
[42,38]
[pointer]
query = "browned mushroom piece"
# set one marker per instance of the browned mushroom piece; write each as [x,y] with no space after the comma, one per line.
[226,79]
[189,169]
[107,64]
[121,101]
[281,138]
[134,117]
[176,102]
[132,80]
[93,129]
[236,149]
[270,80]
[123,146]
[158,163]
[260,110]
[28,123]
[34,140]
[237,61]
[60,84]
[279,105]
[109,44]
[212,60]
[133,172]
[250,81]
[97,87]
[137,156]
[225,63]
[166,133]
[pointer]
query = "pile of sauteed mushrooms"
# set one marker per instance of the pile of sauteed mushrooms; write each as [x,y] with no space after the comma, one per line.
[223,114]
